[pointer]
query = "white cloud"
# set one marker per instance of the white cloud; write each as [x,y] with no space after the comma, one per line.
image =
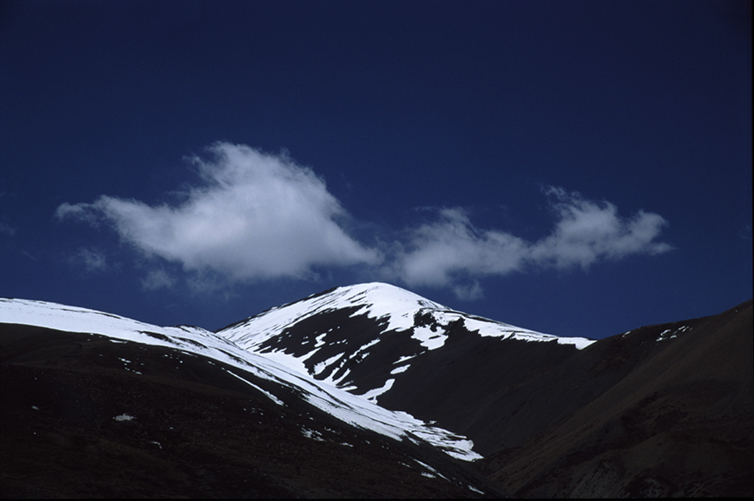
[440,251]
[81,212]
[450,251]
[256,216]
[468,292]
[157,279]
[587,232]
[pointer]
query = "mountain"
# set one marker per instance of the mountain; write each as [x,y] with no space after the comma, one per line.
[407,353]
[553,416]
[371,391]
[97,405]
[670,413]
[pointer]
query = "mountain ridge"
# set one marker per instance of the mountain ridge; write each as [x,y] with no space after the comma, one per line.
[660,410]
[678,420]
[372,311]
[199,341]
[84,416]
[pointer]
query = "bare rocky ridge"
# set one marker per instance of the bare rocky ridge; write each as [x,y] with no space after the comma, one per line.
[665,410]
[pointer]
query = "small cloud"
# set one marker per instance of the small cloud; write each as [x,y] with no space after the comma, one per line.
[587,232]
[157,279]
[93,261]
[468,292]
[7,230]
[437,253]
[79,212]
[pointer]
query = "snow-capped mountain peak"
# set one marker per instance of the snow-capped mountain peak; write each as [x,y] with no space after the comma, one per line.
[387,303]
[376,300]
[360,337]
[342,348]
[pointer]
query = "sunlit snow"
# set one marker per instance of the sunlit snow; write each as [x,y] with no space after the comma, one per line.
[396,308]
[372,395]
[265,393]
[313,434]
[672,333]
[428,338]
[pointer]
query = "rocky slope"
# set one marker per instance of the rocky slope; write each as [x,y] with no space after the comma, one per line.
[84,416]
[371,391]
[671,413]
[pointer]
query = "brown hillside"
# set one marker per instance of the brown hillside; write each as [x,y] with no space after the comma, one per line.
[680,423]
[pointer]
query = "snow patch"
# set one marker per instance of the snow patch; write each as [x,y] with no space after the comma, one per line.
[396,309]
[672,333]
[398,370]
[266,393]
[372,395]
[319,341]
[321,366]
[428,338]
[313,434]
[404,359]
[431,472]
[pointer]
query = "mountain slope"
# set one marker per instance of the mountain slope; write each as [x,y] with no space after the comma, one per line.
[405,353]
[285,404]
[345,406]
[140,410]
[553,416]
[676,419]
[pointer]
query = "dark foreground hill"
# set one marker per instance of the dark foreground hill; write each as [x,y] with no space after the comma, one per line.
[671,414]
[82,416]
[665,410]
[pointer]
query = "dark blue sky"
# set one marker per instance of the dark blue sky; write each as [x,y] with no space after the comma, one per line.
[578,168]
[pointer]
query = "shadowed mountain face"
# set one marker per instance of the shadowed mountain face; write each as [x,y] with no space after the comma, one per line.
[83,416]
[659,411]
[671,413]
